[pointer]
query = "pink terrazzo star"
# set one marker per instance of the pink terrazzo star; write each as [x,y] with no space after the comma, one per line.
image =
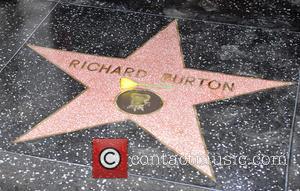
[175,125]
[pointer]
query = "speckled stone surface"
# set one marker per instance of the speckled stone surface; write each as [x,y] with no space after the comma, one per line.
[276,14]
[23,173]
[31,88]
[294,169]
[19,18]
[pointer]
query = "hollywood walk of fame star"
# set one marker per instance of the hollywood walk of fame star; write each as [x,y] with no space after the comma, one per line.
[175,124]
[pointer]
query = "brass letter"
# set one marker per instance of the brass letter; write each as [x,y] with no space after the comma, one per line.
[166,77]
[189,80]
[141,74]
[214,87]
[128,71]
[117,70]
[201,81]
[89,67]
[230,88]
[105,68]
[74,63]
[180,81]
